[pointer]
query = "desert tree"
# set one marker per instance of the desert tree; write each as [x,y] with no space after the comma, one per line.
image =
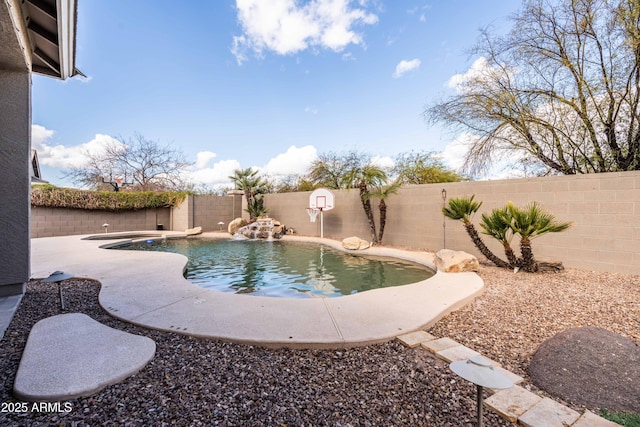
[561,87]
[254,186]
[422,167]
[148,165]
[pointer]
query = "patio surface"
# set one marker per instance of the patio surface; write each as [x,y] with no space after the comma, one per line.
[148,289]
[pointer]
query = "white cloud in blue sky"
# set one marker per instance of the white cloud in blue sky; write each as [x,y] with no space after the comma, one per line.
[288,26]
[295,161]
[405,66]
[314,73]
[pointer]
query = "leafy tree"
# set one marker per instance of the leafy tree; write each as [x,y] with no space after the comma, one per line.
[422,168]
[497,224]
[248,181]
[463,209]
[150,166]
[562,87]
[332,169]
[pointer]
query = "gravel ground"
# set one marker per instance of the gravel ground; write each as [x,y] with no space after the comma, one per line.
[194,381]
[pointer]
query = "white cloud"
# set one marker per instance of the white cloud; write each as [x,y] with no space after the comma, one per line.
[311,110]
[480,73]
[405,66]
[294,161]
[216,175]
[286,27]
[202,159]
[383,162]
[60,156]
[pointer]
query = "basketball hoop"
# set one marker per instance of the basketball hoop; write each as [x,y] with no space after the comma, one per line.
[313,213]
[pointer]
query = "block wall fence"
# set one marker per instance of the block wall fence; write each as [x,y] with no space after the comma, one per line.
[604,210]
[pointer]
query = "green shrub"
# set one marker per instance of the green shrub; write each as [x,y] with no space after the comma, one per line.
[626,419]
[49,196]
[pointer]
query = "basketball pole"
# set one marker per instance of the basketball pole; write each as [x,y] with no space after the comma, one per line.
[321,224]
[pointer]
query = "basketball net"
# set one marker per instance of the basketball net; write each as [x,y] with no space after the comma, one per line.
[313,213]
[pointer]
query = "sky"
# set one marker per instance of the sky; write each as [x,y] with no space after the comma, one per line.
[268,84]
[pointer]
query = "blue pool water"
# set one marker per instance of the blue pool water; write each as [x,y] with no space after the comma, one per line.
[284,269]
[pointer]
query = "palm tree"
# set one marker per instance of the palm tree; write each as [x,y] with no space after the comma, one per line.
[364,178]
[383,193]
[248,181]
[531,222]
[462,209]
[498,225]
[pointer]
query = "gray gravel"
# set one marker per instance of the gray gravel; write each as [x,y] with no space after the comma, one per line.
[204,382]
[194,382]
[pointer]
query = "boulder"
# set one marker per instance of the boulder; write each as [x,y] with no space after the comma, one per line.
[354,243]
[449,261]
[590,366]
[235,224]
[193,231]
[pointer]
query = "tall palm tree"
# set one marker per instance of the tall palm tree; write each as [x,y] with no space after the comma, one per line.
[462,209]
[531,222]
[248,181]
[383,193]
[364,178]
[498,225]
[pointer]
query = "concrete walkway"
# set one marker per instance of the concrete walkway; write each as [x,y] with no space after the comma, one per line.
[148,289]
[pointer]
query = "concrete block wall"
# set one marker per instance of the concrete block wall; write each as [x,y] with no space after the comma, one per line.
[604,209]
[210,210]
[48,222]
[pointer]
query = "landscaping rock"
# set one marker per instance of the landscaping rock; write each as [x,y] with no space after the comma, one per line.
[450,261]
[590,366]
[355,243]
[193,231]
[235,224]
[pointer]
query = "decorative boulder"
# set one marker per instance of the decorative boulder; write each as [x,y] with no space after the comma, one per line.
[590,366]
[354,243]
[450,261]
[193,231]
[235,224]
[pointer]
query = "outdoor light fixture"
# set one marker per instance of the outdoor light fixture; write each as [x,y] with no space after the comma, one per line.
[57,277]
[444,220]
[220,224]
[106,227]
[481,372]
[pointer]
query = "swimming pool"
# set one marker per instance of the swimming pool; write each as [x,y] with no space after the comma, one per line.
[284,269]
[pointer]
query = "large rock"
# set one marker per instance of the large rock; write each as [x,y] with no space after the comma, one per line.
[590,366]
[193,231]
[450,261]
[235,224]
[354,243]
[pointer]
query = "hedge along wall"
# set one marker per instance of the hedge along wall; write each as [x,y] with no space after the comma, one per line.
[48,222]
[194,211]
[604,209]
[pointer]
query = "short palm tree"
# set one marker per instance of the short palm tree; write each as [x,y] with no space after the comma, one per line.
[463,209]
[497,224]
[252,184]
[531,222]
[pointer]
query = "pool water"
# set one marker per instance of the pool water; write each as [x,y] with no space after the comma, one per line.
[284,269]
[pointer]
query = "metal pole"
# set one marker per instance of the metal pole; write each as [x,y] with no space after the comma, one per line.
[479,403]
[321,224]
[61,298]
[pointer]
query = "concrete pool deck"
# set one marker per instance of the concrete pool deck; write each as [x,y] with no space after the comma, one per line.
[148,289]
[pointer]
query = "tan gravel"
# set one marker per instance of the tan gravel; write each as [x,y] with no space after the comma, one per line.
[519,311]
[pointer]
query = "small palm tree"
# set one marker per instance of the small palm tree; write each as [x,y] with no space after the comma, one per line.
[531,222]
[463,209]
[248,181]
[498,225]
